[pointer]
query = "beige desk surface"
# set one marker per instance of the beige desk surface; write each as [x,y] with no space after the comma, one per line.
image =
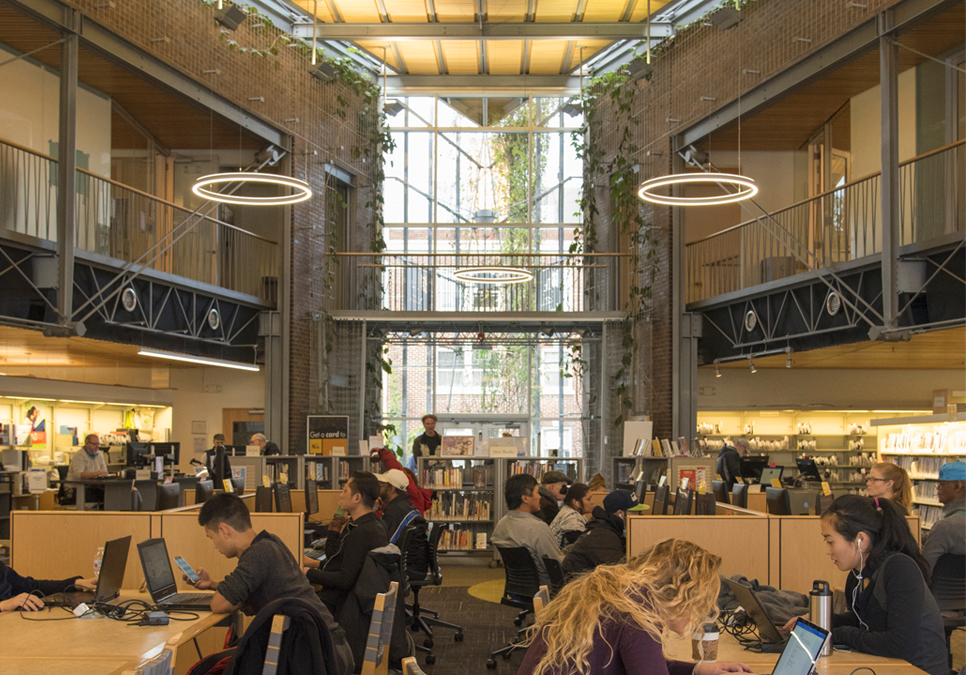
[839,663]
[44,665]
[99,639]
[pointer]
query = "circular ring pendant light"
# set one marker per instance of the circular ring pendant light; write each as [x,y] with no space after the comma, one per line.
[746,189]
[204,187]
[494,275]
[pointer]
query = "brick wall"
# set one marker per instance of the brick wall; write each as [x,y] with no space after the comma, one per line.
[326,131]
[705,61]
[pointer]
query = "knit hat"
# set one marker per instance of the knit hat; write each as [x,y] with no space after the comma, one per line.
[622,500]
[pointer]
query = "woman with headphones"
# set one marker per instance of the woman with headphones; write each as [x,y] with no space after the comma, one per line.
[891,611]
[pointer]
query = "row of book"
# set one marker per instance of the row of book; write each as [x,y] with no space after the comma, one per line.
[478,476]
[537,469]
[462,539]
[926,490]
[941,440]
[929,515]
[921,467]
[461,506]
[318,473]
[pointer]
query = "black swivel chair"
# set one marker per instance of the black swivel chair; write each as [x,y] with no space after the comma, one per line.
[739,495]
[169,497]
[949,587]
[776,501]
[66,496]
[263,499]
[556,573]
[661,498]
[705,505]
[204,490]
[682,502]
[433,577]
[522,583]
[720,490]
[404,542]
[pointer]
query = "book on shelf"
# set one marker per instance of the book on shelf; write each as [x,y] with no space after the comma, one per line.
[461,539]
[479,477]
[460,506]
[666,448]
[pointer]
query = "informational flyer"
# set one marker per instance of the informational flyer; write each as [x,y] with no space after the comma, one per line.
[327,434]
[457,446]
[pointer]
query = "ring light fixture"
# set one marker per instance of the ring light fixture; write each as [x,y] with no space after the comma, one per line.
[494,275]
[746,189]
[205,187]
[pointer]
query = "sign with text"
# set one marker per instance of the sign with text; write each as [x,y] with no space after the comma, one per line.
[327,434]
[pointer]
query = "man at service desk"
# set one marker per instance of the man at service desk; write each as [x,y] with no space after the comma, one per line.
[17,592]
[216,459]
[88,462]
[729,461]
[266,570]
[267,447]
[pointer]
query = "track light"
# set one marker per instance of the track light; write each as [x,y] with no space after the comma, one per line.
[547,330]
[788,361]
[751,366]
[393,109]
[717,371]
[230,18]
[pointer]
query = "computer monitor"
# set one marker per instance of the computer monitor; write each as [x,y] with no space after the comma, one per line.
[138,454]
[283,498]
[769,473]
[170,451]
[808,469]
[782,458]
[803,502]
[751,467]
[311,497]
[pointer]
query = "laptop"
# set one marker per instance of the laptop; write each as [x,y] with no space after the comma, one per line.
[108,581]
[160,580]
[802,649]
[770,472]
[748,599]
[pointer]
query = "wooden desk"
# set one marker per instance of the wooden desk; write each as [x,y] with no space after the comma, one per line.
[44,665]
[839,663]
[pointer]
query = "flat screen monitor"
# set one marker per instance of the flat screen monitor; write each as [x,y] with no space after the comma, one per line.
[751,467]
[283,498]
[769,473]
[138,454]
[170,451]
[311,497]
[808,469]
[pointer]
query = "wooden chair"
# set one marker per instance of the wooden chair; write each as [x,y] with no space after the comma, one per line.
[380,632]
[541,600]
[739,495]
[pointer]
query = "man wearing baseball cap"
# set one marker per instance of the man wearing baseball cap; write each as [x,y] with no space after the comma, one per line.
[949,534]
[553,488]
[604,543]
[397,509]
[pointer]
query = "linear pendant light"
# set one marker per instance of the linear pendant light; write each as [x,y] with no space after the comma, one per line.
[204,360]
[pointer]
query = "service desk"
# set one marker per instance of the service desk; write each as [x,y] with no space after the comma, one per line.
[839,663]
[117,492]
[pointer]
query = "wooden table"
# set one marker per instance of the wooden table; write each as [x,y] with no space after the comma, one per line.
[98,646]
[839,663]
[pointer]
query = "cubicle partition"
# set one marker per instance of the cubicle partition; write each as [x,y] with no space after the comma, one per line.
[62,544]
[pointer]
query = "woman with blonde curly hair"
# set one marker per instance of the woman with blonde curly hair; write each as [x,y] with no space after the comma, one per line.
[616,619]
[891,481]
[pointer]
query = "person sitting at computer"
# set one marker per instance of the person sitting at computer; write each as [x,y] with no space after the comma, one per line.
[25,593]
[891,611]
[891,481]
[88,462]
[266,446]
[266,569]
[217,462]
[617,618]
[572,516]
[521,527]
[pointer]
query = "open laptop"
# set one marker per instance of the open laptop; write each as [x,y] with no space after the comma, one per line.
[108,581]
[770,472]
[748,599]
[802,649]
[160,580]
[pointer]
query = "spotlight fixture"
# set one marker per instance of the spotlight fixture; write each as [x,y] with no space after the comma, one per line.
[572,109]
[203,187]
[323,71]
[203,360]
[231,18]
[726,17]
[717,371]
[788,361]
[751,366]
[546,329]
[393,109]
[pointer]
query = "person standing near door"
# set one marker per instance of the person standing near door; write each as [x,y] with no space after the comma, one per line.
[428,442]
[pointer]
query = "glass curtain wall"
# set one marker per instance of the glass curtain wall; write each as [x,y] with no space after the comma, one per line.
[482,181]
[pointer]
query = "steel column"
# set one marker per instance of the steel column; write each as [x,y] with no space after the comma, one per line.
[67,173]
[889,84]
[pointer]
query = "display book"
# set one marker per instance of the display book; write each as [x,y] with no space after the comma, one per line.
[920,445]
[462,500]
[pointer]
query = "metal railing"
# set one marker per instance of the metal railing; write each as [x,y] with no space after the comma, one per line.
[836,226]
[134,227]
[427,282]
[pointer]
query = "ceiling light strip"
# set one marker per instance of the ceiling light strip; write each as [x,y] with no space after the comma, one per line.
[174,356]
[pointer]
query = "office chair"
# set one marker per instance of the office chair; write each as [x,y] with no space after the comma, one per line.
[432,577]
[203,490]
[404,544]
[66,496]
[410,667]
[776,501]
[556,573]
[661,497]
[705,505]
[739,495]
[169,497]
[380,632]
[682,502]
[263,499]
[949,587]
[522,583]
[720,490]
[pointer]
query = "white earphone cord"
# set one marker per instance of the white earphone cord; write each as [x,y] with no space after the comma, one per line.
[855,591]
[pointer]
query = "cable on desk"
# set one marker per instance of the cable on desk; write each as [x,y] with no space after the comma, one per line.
[862,668]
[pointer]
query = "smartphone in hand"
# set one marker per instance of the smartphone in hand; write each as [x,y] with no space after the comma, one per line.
[186,568]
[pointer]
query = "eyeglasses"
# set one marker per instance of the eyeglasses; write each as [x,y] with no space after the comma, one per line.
[870,478]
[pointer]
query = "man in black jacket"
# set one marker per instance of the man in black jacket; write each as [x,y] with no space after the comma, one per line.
[729,461]
[398,512]
[553,488]
[604,543]
[346,547]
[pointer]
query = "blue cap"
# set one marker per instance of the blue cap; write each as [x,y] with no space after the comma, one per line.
[622,500]
[953,471]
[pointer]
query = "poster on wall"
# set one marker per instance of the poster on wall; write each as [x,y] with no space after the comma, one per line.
[457,446]
[32,432]
[327,434]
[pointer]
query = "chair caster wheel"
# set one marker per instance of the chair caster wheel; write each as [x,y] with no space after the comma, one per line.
[491,664]
[430,659]
[427,643]
[518,621]
[458,637]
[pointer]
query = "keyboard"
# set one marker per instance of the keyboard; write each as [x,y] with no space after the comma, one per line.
[180,598]
[315,553]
